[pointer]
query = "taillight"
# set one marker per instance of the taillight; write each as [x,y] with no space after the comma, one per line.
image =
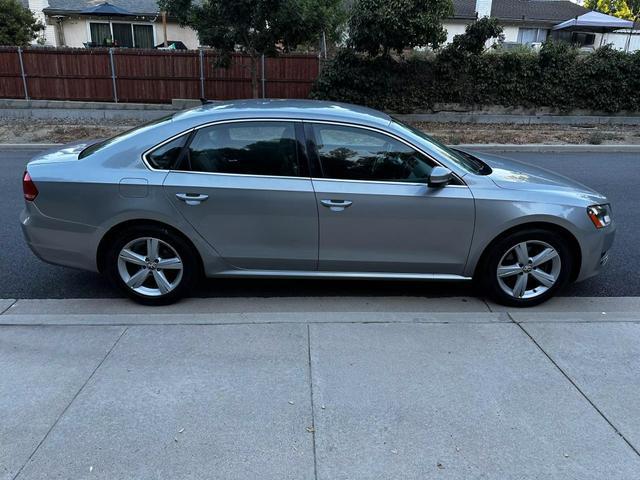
[29,188]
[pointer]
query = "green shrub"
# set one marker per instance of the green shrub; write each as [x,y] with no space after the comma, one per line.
[557,76]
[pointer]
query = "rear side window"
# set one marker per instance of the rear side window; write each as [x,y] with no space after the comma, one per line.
[249,148]
[166,156]
[352,153]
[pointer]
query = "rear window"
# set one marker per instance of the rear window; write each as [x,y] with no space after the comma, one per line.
[121,136]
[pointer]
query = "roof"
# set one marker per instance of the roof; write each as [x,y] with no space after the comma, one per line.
[273,108]
[551,11]
[543,10]
[464,8]
[142,7]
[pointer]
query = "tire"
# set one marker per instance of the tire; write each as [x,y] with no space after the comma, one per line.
[548,257]
[144,279]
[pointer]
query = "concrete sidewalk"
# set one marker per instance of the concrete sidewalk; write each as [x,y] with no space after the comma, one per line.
[320,388]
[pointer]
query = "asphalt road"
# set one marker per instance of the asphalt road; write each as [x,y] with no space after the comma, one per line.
[615,175]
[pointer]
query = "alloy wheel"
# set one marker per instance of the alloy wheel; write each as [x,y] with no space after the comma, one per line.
[529,269]
[150,266]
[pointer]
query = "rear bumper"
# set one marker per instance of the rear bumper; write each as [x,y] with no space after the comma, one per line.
[58,241]
[595,251]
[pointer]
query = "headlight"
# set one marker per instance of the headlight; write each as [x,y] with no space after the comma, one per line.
[600,215]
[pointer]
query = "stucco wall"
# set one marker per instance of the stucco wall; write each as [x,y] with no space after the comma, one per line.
[175,32]
[453,29]
[48,35]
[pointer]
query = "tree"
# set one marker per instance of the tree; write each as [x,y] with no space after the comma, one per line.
[476,35]
[18,26]
[617,8]
[256,27]
[384,25]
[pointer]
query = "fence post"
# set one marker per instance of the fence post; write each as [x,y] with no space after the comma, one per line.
[113,75]
[263,79]
[201,55]
[24,77]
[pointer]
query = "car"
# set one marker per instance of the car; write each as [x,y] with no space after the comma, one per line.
[307,189]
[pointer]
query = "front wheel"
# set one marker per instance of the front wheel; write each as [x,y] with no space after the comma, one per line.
[526,268]
[151,265]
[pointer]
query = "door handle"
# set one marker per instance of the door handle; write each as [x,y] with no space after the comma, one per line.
[192,198]
[336,205]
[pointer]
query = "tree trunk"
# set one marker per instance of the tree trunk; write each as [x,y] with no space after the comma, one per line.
[254,76]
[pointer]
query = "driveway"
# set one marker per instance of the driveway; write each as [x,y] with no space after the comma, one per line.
[331,388]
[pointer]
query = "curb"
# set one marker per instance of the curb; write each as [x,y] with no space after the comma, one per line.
[480,147]
[546,148]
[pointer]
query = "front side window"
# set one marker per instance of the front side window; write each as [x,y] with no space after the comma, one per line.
[351,153]
[249,148]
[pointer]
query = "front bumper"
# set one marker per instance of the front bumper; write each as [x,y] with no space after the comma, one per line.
[595,251]
[58,241]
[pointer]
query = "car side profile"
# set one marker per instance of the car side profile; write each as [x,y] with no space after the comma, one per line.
[307,189]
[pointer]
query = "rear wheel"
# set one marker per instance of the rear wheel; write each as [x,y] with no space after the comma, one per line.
[526,268]
[151,264]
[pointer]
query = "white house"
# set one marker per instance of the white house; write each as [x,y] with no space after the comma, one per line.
[532,21]
[139,23]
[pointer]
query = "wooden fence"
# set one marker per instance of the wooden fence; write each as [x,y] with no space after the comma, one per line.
[148,76]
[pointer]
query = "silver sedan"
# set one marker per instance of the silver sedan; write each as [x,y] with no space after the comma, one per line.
[305,189]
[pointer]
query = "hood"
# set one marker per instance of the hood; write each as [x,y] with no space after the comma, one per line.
[66,153]
[516,175]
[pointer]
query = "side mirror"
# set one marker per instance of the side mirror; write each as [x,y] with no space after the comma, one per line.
[440,177]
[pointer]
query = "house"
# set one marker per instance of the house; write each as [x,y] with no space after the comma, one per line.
[138,23]
[524,21]
[131,23]
[531,21]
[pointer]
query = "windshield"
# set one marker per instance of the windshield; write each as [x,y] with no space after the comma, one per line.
[462,159]
[104,143]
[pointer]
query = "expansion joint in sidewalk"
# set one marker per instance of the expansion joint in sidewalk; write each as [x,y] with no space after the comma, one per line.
[82,387]
[575,385]
[8,307]
[313,415]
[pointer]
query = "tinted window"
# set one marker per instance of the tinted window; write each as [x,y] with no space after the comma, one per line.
[464,160]
[165,156]
[251,148]
[124,135]
[352,153]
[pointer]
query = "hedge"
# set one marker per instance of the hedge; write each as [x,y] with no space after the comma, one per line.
[558,77]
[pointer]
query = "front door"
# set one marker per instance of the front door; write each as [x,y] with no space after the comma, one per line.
[241,185]
[376,212]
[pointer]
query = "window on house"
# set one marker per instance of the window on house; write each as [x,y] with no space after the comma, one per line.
[121,34]
[583,39]
[527,36]
[100,33]
[143,36]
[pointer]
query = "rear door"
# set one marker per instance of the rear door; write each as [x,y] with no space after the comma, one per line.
[245,188]
[377,213]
